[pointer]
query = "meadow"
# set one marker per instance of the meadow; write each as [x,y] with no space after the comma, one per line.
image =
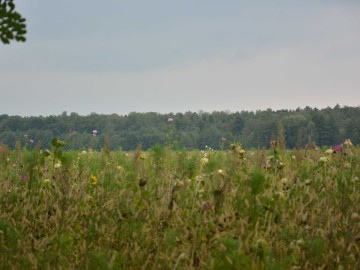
[179,209]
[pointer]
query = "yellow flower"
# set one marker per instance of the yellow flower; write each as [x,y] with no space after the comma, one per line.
[93,180]
[284,181]
[57,165]
[120,169]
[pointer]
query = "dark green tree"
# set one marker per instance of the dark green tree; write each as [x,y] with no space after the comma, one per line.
[12,24]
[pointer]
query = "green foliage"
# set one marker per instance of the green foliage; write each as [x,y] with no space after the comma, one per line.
[9,237]
[257,181]
[12,24]
[229,256]
[188,130]
[56,152]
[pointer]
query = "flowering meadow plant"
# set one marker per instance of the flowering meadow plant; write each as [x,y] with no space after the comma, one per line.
[180,209]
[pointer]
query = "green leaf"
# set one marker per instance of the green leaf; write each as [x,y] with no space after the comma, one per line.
[46,153]
[58,154]
[257,181]
[61,143]
[54,142]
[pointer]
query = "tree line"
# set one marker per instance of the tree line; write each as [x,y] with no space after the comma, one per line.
[191,130]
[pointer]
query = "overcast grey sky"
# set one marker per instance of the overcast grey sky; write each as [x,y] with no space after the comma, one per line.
[117,56]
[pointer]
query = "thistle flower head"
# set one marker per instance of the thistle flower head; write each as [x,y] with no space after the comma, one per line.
[338,148]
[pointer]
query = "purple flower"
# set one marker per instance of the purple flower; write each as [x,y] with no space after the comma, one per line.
[337,148]
[224,139]
[170,119]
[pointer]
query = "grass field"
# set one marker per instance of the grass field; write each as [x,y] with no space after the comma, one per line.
[167,209]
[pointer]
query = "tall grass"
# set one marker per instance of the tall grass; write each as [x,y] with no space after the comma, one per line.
[166,209]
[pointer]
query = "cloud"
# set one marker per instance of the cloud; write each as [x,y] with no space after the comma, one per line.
[272,79]
[216,56]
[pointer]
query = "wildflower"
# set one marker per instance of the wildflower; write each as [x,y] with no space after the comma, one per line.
[31,141]
[142,156]
[223,139]
[348,143]
[280,164]
[93,179]
[206,206]
[284,181]
[26,136]
[57,165]
[329,151]
[221,172]
[300,242]
[94,131]
[170,120]
[46,181]
[323,159]
[24,177]
[204,161]
[274,144]
[337,148]
[119,168]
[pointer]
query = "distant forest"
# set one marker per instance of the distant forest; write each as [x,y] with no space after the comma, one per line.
[191,130]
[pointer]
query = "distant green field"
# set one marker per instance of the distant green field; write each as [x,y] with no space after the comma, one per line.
[166,209]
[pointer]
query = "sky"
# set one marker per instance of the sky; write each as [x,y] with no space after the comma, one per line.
[122,56]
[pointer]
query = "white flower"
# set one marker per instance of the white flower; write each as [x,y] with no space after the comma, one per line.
[323,159]
[204,161]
